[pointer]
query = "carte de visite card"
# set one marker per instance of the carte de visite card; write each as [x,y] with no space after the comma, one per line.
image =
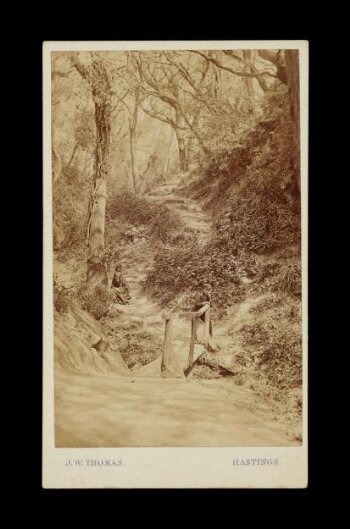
[175,264]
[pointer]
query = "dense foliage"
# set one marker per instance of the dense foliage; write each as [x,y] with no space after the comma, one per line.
[256,242]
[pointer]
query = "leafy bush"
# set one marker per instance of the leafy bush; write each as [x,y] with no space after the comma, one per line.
[273,341]
[139,348]
[96,301]
[162,224]
[70,203]
[289,278]
[259,215]
[248,187]
[61,297]
[183,269]
[131,209]
[167,227]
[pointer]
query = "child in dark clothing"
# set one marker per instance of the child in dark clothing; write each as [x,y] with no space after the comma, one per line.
[203,297]
[120,285]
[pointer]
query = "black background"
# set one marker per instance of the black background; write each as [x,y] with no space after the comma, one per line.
[166,22]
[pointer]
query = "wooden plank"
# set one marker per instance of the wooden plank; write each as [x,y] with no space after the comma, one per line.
[193,340]
[167,344]
[212,345]
[186,315]
[189,367]
[190,314]
[217,365]
[203,309]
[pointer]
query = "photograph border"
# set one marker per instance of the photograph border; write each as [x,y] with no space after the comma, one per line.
[168,467]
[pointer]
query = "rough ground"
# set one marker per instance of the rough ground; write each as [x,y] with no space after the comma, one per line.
[102,404]
[110,410]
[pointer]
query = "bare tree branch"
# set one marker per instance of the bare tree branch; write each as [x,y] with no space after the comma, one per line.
[158,116]
[270,56]
[195,133]
[196,97]
[262,82]
[231,70]
[166,98]
[233,55]
[277,60]
[81,69]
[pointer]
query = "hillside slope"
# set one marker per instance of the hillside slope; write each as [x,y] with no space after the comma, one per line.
[98,397]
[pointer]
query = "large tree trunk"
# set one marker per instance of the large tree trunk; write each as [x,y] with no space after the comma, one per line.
[183,154]
[287,65]
[96,77]
[292,74]
[247,54]
[132,157]
[260,78]
[292,65]
[96,263]
[132,131]
[165,172]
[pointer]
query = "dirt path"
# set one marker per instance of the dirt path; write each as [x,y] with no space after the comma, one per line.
[144,409]
[190,211]
[141,310]
[108,411]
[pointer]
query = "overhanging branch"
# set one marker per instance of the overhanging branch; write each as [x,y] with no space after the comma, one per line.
[231,70]
[164,119]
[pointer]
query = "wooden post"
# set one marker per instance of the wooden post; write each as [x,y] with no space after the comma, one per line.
[207,327]
[167,344]
[194,322]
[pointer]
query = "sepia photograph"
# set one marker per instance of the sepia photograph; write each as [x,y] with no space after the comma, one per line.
[175,248]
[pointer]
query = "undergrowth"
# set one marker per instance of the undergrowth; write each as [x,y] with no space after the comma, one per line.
[249,189]
[272,342]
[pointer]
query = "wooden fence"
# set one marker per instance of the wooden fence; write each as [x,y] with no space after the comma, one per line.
[168,330]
